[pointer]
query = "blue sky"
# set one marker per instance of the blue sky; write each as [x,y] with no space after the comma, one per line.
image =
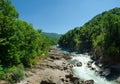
[59,16]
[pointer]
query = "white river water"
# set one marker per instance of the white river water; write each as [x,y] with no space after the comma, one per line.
[85,73]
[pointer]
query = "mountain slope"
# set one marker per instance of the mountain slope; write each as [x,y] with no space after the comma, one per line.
[100,35]
[51,35]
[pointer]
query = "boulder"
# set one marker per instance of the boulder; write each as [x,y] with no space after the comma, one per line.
[65,67]
[50,77]
[89,64]
[46,82]
[89,82]
[100,65]
[79,64]
[106,72]
[70,66]
[73,79]
[69,76]
[55,57]
[52,65]
[118,80]
[93,69]
[62,79]
[78,82]
[67,56]
[4,82]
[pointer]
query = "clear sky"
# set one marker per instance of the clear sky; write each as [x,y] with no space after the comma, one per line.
[59,16]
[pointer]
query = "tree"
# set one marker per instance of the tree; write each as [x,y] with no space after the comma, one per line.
[8,14]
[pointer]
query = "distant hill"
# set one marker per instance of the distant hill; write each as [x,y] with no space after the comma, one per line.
[51,35]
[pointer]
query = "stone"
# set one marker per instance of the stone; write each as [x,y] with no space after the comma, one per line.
[89,64]
[100,65]
[67,56]
[93,68]
[69,76]
[46,82]
[106,72]
[79,64]
[65,68]
[73,79]
[50,77]
[89,82]
[118,80]
[62,79]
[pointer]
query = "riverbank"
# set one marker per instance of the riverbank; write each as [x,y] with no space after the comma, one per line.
[53,70]
[57,69]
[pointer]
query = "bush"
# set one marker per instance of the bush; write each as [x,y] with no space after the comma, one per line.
[2,73]
[16,73]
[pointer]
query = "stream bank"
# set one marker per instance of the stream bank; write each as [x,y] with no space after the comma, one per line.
[60,68]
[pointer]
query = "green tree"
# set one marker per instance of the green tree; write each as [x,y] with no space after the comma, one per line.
[8,14]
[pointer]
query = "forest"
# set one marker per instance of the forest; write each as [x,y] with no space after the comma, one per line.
[100,36]
[20,44]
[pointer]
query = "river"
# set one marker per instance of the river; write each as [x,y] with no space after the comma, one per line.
[86,73]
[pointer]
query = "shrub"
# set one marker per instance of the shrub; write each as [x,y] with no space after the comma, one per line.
[16,73]
[2,73]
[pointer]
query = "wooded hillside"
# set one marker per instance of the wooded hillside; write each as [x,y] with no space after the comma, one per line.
[101,35]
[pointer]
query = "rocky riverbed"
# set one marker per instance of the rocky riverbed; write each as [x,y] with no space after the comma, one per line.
[53,70]
[56,70]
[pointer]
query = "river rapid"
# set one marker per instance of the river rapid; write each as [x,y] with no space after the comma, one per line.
[85,73]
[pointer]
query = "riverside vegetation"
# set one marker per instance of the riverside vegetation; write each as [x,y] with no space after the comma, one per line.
[101,36]
[20,44]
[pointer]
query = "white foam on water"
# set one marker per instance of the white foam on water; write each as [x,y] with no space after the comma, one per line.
[86,73]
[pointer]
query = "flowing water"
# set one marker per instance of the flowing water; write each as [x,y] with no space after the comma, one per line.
[86,73]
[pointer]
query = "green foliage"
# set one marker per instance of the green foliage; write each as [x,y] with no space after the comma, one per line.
[7,9]
[12,74]
[53,37]
[77,39]
[103,32]
[8,14]
[15,74]
[2,73]
[98,41]
[20,43]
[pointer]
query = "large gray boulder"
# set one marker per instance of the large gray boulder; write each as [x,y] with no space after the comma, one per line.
[50,77]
